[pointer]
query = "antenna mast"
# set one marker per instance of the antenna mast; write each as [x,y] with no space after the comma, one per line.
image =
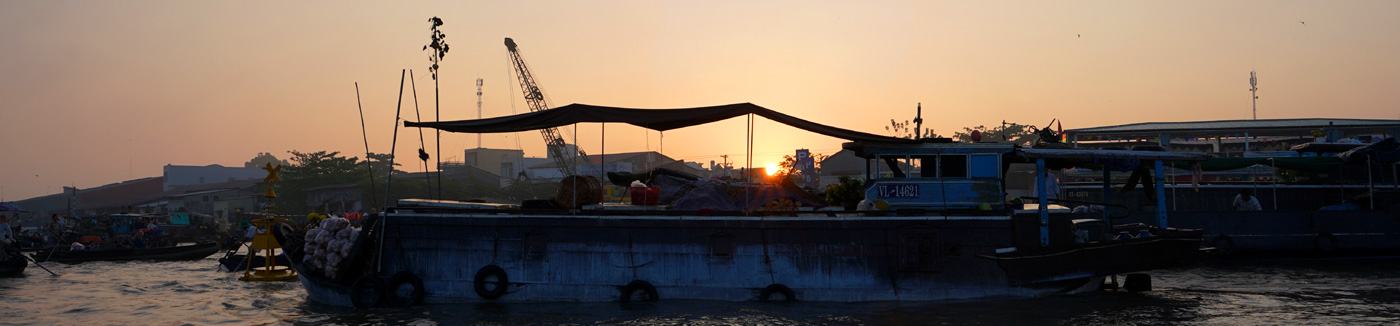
[1253,88]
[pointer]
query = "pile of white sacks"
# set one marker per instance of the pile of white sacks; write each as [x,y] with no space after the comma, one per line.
[329,243]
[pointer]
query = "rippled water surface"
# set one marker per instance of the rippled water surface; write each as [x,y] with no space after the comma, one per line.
[1310,292]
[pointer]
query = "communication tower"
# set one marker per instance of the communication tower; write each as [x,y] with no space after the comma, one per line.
[1253,88]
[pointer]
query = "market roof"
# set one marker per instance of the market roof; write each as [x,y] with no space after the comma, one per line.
[1260,127]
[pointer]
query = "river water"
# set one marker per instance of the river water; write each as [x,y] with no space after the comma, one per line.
[1295,292]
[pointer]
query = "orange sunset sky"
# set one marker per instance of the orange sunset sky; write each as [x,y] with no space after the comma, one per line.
[97,92]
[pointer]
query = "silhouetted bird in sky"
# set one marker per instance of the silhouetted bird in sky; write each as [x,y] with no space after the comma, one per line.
[1304,23]
[1078,36]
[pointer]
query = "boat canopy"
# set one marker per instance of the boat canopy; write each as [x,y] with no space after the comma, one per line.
[1122,160]
[654,119]
[1314,164]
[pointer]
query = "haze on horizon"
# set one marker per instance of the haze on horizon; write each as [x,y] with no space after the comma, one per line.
[101,92]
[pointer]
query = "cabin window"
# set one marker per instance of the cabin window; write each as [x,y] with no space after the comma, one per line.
[984,166]
[953,166]
[535,245]
[721,248]
[928,165]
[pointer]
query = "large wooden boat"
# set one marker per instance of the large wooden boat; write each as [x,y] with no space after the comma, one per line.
[944,230]
[186,252]
[1325,200]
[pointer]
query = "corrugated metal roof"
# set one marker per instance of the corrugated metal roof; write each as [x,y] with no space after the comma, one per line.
[1226,127]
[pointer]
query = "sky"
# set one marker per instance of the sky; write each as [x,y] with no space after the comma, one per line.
[94,93]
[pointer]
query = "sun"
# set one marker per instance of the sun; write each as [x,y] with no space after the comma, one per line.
[772,168]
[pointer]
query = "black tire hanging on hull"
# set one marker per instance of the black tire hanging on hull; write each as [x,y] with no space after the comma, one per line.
[490,282]
[413,297]
[1325,242]
[777,290]
[367,292]
[643,290]
[1223,244]
[1138,282]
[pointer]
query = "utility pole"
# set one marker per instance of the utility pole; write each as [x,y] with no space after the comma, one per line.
[1253,89]
[919,121]
[478,109]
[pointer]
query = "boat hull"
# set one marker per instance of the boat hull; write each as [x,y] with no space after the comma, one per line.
[593,258]
[1293,233]
[13,266]
[191,252]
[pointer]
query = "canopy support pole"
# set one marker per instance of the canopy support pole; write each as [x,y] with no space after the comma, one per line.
[1107,196]
[1161,195]
[1041,202]
[1274,177]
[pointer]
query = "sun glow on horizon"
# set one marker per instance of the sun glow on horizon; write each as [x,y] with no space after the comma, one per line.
[772,168]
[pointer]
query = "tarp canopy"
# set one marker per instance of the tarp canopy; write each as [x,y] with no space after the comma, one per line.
[1385,151]
[654,119]
[1313,164]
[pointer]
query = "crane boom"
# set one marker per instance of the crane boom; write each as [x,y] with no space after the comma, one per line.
[535,99]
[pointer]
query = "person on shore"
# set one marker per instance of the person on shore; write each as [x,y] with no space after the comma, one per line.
[1245,201]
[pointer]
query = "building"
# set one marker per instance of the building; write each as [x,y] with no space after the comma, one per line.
[337,199]
[122,197]
[189,175]
[634,162]
[845,163]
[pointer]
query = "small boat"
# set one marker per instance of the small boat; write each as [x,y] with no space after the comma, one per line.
[66,256]
[240,262]
[13,266]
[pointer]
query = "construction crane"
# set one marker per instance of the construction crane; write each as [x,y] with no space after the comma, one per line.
[535,98]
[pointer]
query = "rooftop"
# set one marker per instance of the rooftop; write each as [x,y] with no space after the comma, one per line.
[1260,127]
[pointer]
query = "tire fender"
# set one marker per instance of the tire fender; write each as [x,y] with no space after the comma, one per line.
[1223,244]
[415,296]
[777,289]
[481,283]
[367,292]
[1325,242]
[639,287]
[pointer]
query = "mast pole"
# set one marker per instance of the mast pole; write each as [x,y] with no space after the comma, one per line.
[368,167]
[394,146]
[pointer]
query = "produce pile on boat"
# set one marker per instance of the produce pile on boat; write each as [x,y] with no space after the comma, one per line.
[329,243]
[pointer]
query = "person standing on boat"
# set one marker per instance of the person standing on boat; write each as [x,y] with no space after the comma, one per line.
[138,240]
[6,238]
[155,232]
[1245,201]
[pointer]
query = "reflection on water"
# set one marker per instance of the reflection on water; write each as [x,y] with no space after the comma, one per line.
[1315,292]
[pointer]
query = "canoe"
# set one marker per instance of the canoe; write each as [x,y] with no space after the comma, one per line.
[190,252]
[13,266]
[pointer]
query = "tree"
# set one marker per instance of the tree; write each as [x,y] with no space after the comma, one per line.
[440,47]
[263,159]
[1014,132]
[903,130]
[438,44]
[788,168]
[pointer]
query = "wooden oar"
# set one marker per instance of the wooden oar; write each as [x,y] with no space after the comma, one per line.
[36,263]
